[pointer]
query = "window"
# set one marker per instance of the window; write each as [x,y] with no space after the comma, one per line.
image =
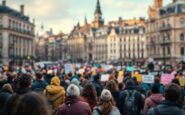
[182,37]
[169,51]
[182,51]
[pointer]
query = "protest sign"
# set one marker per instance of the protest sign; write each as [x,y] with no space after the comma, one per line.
[68,68]
[130,68]
[139,77]
[106,67]
[81,71]
[167,78]
[182,81]
[148,78]
[105,77]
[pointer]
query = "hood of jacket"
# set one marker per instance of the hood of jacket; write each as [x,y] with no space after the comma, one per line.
[55,81]
[52,89]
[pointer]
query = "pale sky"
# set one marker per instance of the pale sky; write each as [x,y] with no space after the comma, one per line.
[64,14]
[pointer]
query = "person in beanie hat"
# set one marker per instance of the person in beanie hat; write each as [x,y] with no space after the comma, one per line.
[106,105]
[73,104]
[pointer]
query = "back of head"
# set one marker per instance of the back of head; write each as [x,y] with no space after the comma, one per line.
[24,80]
[111,86]
[7,88]
[155,88]
[172,92]
[38,75]
[73,90]
[32,104]
[130,83]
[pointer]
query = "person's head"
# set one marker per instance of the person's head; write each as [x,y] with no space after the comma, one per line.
[73,90]
[155,88]
[172,92]
[111,86]
[130,83]
[32,104]
[75,81]
[121,86]
[38,76]
[55,81]
[7,88]
[176,81]
[24,80]
[97,77]
[106,101]
[90,93]
[157,80]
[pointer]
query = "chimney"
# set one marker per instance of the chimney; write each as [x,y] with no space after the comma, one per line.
[4,2]
[22,9]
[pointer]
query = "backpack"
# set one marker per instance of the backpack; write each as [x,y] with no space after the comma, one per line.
[130,107]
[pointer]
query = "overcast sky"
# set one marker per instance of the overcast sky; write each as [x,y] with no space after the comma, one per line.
[61,15]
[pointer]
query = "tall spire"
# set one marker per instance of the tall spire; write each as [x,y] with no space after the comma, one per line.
[85,20]
[98,8]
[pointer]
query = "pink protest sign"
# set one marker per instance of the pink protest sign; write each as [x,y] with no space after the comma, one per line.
[167,78]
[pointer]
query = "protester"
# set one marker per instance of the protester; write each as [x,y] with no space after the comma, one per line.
[169,105]
[130,102]
[89,95]
[38,84]
[113,88]
[154,99]
[5,94]
[55,93]
[106,105]
[73,104]
[97,84]
[24,84]
[32,104]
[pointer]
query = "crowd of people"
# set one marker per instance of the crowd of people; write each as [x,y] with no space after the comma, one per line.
[30,90]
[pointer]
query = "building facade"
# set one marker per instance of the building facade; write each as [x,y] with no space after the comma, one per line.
[16,36]
[166,33]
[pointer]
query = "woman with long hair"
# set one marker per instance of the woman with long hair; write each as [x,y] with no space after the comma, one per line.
[106,105]
[89,95]
[112,86]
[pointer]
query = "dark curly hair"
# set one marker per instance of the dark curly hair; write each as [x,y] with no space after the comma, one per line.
[24,80]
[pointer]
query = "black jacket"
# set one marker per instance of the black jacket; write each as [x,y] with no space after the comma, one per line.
[166,108]
[138,102]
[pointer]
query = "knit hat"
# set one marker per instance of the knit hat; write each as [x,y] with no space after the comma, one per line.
[106,95]
[130,83]
[73,90]
[75,81]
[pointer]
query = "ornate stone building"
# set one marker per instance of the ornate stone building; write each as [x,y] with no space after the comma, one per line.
[16,35]
[166,33]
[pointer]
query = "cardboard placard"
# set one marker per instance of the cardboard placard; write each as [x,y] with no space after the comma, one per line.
[182,81]
[148,79]
[68,68]
[167,78]
[105,77]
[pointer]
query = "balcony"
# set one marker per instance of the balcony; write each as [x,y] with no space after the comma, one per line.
[165,28]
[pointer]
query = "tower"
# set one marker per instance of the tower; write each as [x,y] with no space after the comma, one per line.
[85,21]
[153,11]
[98,21]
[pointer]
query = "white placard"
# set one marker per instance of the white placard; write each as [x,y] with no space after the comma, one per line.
[105,77]
[148,78]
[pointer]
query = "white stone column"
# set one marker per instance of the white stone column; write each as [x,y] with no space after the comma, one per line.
[5,47]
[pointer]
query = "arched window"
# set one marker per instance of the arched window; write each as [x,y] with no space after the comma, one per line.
[182,37]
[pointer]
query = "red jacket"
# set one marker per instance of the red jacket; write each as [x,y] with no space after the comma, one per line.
[74,106]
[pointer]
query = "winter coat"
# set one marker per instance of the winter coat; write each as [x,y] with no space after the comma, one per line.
[4,96]
[152,101]
[138,100]
[116,96]
[38,85]
[55,93]
[166,108]
[115,111]
[74,106]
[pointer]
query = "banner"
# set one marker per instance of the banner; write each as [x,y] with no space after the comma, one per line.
[68,68]
[167,78]
[182,81]
[105,77]
[148,78]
